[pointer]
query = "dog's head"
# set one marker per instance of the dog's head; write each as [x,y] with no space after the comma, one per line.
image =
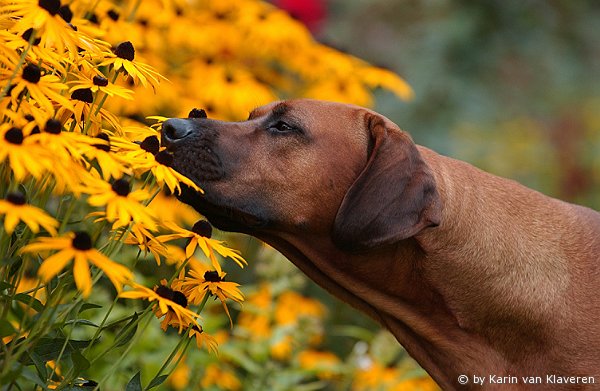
[306,166]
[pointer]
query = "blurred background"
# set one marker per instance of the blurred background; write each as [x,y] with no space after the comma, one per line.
[510,86]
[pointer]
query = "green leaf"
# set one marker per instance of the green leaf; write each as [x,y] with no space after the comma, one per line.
[33,377]
[49,348]
[80,363]
[157,381]
[30,301]
[5,285]
[89,306]
[84,322]
[6,328]
[40,365]
[135,384]
[121,339]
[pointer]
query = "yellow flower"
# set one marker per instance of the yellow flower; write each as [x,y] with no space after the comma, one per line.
[122,205]
[324,364]
[23,159]
[99,83]
[222,378]
[15,209]
[203,339]
[122,59]
[99,152]
[45,90]
[145,240]
[147,156]
[292,306]
[180,378]
[77,246]
[45,19]
[172,210]
[201,282]
[199,236]
[64,145]
[169,303]
[255,319]
[84,111]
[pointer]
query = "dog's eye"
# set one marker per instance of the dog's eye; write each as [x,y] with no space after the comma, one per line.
[281,127]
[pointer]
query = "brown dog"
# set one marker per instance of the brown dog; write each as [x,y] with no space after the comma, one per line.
[475,275]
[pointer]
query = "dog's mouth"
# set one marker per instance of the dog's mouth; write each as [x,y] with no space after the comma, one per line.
[220,213]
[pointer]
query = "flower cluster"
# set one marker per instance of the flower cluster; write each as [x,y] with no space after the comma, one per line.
[83,175]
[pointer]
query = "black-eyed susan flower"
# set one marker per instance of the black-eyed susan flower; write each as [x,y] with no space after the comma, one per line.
[203,339]
[77,247]
[23,159]
[15,209]
[123,60]
[62,145]
[148,156]
[122,205]
[45,18]
[199,236]
[45,89]
[145,240]
[100,83]
[97,152]
[89,116]
[202,281]
[169,303]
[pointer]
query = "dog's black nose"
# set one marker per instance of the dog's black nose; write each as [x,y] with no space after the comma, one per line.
[175,129]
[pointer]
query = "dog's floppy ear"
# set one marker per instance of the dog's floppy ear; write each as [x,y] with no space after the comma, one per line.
[393,198]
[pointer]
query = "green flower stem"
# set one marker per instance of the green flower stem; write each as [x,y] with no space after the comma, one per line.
[88,121]
[114,78]
[131,344]
[65,219]
[184,338]
[125,331]
[131,16]
[38,330]
[19,65]
[62,351]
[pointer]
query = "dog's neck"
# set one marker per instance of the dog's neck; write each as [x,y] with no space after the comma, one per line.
[450,312]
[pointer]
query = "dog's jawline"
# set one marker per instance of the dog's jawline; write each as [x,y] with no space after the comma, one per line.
[221,217]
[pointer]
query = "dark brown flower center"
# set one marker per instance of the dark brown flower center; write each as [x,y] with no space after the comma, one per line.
[151,144]
[82,241]
[52,6]
[32,73]
[16,198]
[65,13]
[197,329]
[100,81]
[14,136]
[103,147]
[165,158]
[125,51]
[164,292]
[212,276]
[53,126]
[121,187]
[179,298]
[84,95]
[27,36]
[114,15]
[202,228]
[197,113]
